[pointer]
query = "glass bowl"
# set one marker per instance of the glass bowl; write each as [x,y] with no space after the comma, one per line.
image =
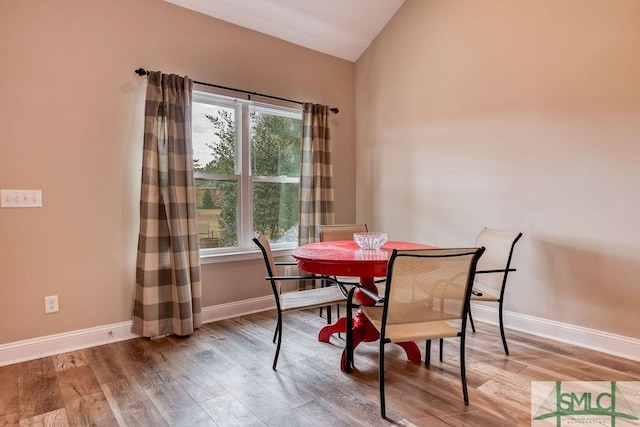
[370,239]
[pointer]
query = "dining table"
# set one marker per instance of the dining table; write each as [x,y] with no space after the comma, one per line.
[346,258]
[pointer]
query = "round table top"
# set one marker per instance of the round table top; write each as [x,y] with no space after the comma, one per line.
[345,258]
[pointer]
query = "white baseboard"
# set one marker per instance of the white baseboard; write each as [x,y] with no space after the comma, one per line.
[617,345]
[35,348]
[21,351]
[49,345]
[218,312]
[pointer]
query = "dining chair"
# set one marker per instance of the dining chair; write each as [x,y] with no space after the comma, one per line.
[333,232]
[427,297]
[493,270]
[295,300]
[328,233]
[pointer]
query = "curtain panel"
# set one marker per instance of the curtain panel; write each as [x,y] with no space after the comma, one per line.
[168,286]
[316,173]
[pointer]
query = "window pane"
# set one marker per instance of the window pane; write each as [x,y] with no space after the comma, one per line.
[214,138]
[275,144]
[217,213]
[246,168]
[275,211]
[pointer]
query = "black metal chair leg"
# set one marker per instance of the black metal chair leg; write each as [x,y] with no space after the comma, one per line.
[504,339]
[275,333]
[441,346]
[473,327]
[275,359]
[427,353]
[463,375]
[329,314]
[349,364]
[323,283]
[381,378]
[338,316]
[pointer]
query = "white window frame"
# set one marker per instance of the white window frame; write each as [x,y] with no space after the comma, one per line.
[246,249]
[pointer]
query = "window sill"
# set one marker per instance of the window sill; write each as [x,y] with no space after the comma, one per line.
[241,256]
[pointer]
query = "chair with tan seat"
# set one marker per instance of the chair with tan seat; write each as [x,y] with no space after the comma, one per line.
[333,232]
[427,297]
[329,233]
[493,270]
[295,300]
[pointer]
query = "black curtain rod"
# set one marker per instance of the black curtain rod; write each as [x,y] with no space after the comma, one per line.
[142,72]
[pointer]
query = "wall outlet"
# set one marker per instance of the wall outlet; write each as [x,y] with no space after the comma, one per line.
[51,304]
[287,271]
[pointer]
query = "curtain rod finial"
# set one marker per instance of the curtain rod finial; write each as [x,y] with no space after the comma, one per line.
[334,110]
[141,72]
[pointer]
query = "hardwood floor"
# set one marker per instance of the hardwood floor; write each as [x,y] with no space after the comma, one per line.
[222,375]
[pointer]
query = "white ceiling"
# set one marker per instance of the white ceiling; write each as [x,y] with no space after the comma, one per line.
[342,28]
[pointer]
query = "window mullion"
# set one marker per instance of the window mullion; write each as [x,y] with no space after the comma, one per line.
[245,210]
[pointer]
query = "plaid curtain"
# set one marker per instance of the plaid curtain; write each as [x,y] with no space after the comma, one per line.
[316,173]
[168,288]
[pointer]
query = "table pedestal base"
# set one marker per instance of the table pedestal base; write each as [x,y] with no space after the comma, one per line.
[364,331]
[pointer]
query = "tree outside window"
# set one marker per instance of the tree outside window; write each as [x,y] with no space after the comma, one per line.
[247,166]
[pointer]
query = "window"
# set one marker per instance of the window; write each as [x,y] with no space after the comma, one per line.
[247,172]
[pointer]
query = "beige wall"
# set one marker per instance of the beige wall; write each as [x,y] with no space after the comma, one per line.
[71,114]
[517,115]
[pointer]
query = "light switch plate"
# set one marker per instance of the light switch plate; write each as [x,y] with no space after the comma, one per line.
[20,198]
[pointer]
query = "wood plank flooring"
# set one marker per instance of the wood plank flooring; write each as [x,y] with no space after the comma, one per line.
[222,375]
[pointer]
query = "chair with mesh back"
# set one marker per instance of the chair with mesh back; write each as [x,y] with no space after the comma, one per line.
[295,300]
[333,232]
[427,297]
[328,233]
[493,269]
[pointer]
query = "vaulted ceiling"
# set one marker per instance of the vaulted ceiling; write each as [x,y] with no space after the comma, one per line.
[341,28]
